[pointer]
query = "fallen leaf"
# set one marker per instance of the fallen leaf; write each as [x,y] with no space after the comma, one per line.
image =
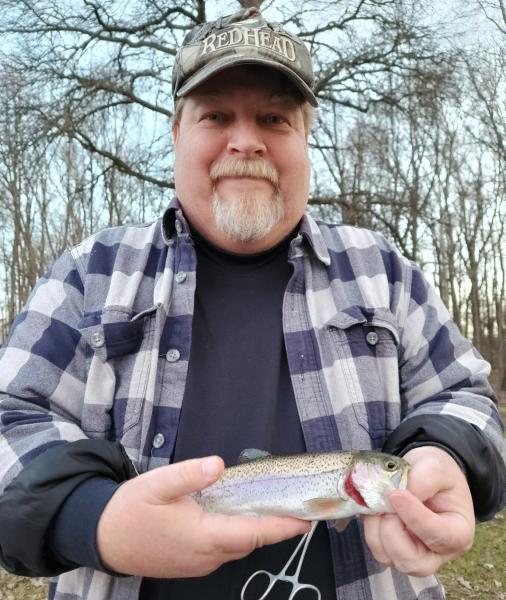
[464,583]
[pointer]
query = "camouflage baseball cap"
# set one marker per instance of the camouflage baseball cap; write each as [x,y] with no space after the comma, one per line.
[244,38]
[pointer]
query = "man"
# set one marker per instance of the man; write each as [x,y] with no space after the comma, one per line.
[236,321]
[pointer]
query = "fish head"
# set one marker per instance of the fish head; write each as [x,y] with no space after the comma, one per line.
[373,476]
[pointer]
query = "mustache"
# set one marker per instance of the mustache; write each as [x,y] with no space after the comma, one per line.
[239,167]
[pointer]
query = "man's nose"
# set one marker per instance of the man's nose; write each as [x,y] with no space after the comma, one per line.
[246,138]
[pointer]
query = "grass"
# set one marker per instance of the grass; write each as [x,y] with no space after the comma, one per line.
[480,574]
[21,588]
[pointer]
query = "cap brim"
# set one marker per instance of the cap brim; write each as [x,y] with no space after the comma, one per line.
[227,62]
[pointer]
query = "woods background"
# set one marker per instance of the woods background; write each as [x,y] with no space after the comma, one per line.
[410,139]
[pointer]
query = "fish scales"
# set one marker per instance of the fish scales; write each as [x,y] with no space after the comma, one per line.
[311,486]
[269,495]
[293,465]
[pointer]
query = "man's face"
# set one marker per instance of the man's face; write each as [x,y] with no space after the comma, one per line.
[241,165]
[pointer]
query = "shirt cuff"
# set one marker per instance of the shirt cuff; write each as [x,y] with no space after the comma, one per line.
[480,460]
[436,445]
[73,536]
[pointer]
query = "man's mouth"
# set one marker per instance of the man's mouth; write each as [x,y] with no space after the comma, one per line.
[242,178]
[246,181]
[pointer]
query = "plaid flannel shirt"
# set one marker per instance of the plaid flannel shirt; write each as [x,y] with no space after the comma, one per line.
[102,346]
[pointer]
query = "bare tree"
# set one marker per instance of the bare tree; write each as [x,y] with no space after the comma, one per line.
[97,57]
[410,138]
[486,79]
[495,12]
[53,194]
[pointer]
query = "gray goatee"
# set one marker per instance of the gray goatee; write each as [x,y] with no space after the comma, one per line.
[250,216]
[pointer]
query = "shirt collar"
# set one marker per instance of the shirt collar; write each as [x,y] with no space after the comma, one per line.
[310,231]
[175,224]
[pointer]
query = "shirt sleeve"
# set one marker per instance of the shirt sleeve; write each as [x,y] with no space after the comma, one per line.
[43,371]
[55,502]
[472,450]
[73,535]
[445,394]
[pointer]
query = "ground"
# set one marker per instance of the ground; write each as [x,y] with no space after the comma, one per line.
[478,575]
[481,573]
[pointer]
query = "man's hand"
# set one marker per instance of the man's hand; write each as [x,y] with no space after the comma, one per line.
[434,520]
[151,527]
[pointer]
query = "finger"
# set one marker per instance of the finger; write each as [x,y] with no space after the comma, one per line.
[240,535]
[372,532]
[433,470]
[271,530]
[182,478]
[407,553]
[444,533]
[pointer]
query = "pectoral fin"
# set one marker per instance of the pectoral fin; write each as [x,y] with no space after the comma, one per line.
[321,509]
[341,524]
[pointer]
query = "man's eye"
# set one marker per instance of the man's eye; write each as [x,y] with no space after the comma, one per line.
[274,120]
[214,116]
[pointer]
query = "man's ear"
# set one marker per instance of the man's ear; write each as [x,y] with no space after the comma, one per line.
[175,133]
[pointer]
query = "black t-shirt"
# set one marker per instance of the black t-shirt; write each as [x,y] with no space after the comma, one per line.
[239,395]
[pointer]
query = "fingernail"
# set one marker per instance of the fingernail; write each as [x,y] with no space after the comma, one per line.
[210,467]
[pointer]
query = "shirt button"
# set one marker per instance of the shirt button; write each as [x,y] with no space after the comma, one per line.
[180,276]
[158,440]
[97,339]
[179,227]
[372,338]
[173,355]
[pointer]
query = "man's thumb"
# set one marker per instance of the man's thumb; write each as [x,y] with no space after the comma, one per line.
[187,476]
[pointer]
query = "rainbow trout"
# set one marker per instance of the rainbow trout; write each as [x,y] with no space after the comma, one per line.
[315,487]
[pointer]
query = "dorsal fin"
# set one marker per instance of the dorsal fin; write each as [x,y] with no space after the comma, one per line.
[252,454]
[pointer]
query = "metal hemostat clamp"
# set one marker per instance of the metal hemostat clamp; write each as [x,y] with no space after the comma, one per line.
[282,576]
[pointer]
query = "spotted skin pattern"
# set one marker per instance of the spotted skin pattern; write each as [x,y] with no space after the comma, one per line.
[313,486]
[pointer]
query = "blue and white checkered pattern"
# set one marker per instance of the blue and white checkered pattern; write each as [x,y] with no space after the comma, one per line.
[102,348]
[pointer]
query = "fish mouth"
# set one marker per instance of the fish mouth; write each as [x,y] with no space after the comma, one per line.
[353,493]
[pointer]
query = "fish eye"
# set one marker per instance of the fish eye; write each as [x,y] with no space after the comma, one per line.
[390,465]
